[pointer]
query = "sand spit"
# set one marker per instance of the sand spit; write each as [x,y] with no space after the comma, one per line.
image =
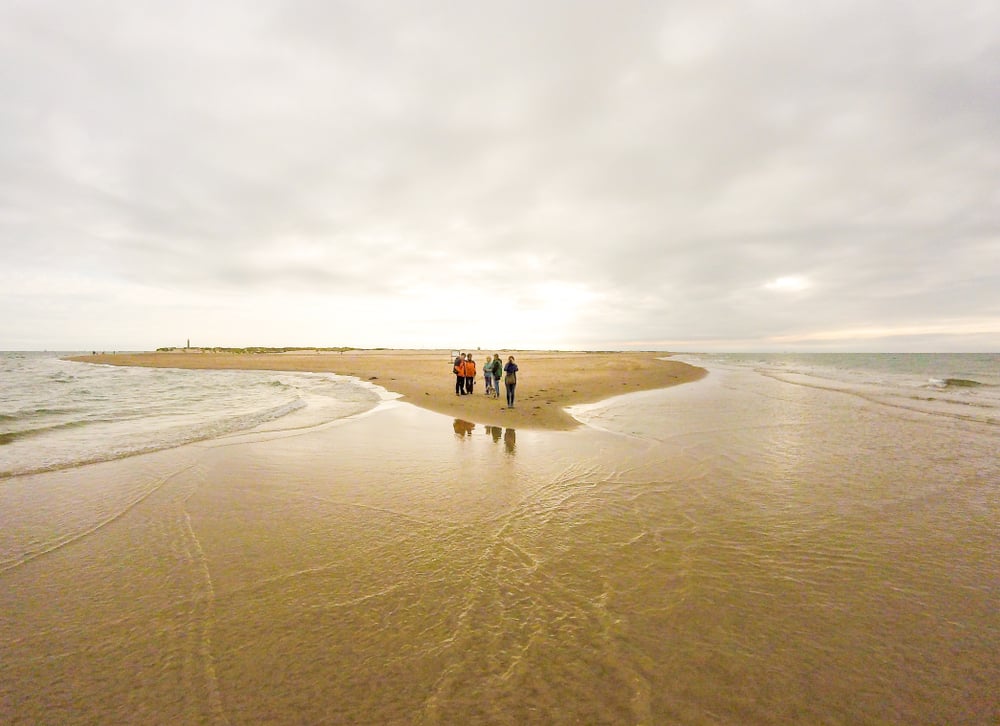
[548,381]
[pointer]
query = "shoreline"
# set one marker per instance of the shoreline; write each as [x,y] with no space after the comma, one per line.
[548,381]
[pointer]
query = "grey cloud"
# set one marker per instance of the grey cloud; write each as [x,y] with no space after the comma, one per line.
[671,158]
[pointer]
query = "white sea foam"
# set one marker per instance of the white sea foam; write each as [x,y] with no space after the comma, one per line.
[56,413]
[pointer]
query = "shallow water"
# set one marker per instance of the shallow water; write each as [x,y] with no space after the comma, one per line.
[56,414]
[739,550]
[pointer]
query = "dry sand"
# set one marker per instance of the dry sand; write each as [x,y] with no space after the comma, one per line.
[548,381]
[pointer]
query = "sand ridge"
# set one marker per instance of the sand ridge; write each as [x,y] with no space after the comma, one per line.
[548,381]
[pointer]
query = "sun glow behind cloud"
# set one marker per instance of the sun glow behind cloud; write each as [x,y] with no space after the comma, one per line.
[552,311]
[790,283]
[545,314]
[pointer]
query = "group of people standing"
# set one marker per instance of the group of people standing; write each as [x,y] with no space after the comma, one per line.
[493,370]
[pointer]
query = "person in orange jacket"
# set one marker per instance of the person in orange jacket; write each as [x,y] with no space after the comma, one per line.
[470,373]
[459,371]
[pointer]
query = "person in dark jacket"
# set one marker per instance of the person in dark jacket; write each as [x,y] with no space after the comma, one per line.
[497,373]
[459,371]
[510,380]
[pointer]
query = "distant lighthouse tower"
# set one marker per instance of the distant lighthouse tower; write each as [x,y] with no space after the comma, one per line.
[189,343]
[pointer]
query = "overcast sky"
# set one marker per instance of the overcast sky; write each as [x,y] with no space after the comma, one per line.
[689,175]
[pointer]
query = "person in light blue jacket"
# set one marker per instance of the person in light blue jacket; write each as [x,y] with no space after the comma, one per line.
[488,375]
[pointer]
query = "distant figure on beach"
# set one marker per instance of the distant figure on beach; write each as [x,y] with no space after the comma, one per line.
[460,375]
[470,374]
[497,365]
[510,380]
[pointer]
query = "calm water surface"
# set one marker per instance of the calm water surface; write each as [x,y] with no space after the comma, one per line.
[781,542]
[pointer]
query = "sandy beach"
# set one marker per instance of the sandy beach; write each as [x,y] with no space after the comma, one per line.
[747,549]
[548,381]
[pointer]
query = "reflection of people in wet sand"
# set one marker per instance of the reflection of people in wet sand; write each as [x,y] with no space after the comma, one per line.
[509,436]
[463,428]
[509,440]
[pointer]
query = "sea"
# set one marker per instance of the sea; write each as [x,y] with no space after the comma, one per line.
[792,539]
[57,414]
[962,386]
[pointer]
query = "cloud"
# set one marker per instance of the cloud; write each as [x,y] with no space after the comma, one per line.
[645,170]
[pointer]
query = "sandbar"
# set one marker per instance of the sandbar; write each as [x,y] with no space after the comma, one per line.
[548,381]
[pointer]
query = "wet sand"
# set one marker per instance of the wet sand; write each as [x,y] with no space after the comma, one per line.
[548,381]
[746,553]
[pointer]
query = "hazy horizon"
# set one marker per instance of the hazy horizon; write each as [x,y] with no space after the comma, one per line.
[331,349]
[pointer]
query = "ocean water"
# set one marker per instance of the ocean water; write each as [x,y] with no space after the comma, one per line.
[790,540]
[959,385]
[833,523]
[56,414]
